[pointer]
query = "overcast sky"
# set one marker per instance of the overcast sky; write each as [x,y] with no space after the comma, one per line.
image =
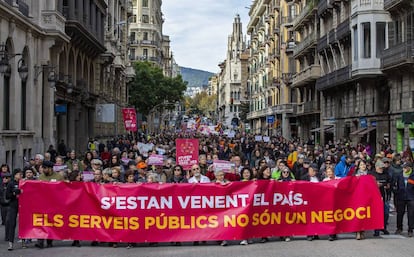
[198,30]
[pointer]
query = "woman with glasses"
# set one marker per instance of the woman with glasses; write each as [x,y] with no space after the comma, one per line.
[361,170]
[178,175]
[285,176]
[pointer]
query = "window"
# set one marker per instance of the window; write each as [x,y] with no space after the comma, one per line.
[145,36]
[132,37]
[132,53]
[145,18]
[355,30]
[292,12]
[380,39]
[6,103]
[366,30]
[145,53]
[144,3]
[23,106]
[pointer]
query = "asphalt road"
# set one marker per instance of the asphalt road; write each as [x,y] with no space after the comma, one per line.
[345,246]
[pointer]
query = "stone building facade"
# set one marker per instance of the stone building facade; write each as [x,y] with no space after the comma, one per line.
[55,66]
[231,90]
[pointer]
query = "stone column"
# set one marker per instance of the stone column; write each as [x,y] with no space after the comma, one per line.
[80,11]
[71,10]
[87,12]
[93,17]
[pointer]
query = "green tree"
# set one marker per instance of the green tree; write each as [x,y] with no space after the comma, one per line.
[150,88]
[202,104]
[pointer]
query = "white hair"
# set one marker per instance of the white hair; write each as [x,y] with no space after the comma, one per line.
[39,156]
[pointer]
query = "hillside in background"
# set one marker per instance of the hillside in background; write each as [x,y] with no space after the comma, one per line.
[195,78]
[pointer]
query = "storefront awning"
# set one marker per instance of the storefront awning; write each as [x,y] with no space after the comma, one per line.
[356,132]
[325,128]
[315,130]
[367,131]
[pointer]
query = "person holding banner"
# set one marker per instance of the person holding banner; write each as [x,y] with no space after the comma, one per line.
[178,175]
[197,177]
[49,175]
[12,194]
[384,183]
[264,174]
[362,170]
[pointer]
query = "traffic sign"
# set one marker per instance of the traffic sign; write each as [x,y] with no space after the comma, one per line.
[270,119]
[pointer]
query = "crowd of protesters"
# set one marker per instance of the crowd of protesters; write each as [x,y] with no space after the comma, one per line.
[120,161]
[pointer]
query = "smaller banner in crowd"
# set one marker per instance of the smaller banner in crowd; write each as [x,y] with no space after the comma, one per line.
[130,119]
[186,152]
[196,212]
[225,166]
[155,159]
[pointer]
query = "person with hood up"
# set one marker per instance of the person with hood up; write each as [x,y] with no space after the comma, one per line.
[344,166]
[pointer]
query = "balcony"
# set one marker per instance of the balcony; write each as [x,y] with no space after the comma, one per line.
[288,21]
[307,75]
[305,14]
[287,77]
[323,7]
[394,5]
[283,108]
[322,43]
[398,55]
[290,46]
[334,78]
[23,7]
[331,36]
[89,39]
[343,30]
[149,43]
[366,6]
[274,83]
[307,107]
[334,2]
[309,42]
[276,5]
[259,113]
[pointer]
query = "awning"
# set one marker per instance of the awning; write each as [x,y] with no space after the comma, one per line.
[330,130]
[315,130]
[325,128]
[367,131]
[356,132]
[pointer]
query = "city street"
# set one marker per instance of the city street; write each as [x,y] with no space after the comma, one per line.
[391,245]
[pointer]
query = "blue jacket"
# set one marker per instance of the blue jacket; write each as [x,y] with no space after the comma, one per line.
[404,191]
[341,169]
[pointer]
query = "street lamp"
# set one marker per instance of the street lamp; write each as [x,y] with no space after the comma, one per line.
[23,69]
[5,68]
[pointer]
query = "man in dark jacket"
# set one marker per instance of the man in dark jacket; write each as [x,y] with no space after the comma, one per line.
[404,194]
[12,194]
[4,203]
[384,184]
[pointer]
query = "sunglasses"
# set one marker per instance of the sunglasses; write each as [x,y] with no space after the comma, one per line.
[195,169]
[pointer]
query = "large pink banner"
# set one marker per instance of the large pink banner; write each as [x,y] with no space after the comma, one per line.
[130,119]
[196,212]
[186,152]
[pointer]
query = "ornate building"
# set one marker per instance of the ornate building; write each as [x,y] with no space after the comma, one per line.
[54,65]
[231,90]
